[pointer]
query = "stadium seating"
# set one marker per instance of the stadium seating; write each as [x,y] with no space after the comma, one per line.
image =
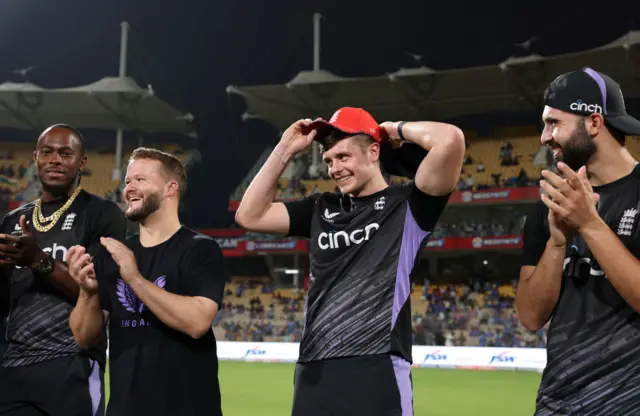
[444,315]
[99,169]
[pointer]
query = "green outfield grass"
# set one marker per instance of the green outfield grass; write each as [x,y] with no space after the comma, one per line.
[250,389]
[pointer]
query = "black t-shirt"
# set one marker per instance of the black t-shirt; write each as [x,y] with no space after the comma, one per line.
[38,327]
[362,251]
[154,369]
[593,342]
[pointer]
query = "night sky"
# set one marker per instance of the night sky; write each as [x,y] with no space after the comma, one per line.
[191,50]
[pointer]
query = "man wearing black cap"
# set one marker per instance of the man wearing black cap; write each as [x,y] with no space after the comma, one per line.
[581,246]
[355,352]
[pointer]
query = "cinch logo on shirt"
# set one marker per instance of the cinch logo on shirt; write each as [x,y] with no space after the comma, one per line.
[580,106]
[572,266]
[58,252]
[129,300]
[340,239]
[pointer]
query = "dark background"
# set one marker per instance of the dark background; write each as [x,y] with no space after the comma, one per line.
[191,50]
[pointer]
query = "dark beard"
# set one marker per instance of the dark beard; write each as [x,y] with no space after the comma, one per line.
[151,205]
[579,149]
[58,191]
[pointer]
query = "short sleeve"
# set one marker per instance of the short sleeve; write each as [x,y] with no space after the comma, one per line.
[426,209]
[107,221]
[301,215]
[204,271]
[4,281]
[535,235]
[106,270]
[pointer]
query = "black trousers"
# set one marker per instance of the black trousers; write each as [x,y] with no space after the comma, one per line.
[377,385]
[67,386]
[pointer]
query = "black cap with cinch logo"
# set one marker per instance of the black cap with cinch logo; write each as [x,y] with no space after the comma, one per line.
[586,92]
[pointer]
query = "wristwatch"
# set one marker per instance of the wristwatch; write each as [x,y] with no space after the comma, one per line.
[400,126]
[45,266]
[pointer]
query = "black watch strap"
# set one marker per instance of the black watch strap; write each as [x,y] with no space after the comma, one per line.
[400,126]
[45,266]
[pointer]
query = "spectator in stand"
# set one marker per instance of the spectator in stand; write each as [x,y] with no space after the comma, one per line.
[469,182]
[496,179]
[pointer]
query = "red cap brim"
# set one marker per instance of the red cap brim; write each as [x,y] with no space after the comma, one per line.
[324,127]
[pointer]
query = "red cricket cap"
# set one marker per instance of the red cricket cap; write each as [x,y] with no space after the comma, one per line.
[403,161]
[350,120]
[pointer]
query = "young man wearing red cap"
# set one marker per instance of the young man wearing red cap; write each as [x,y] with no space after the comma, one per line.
[581,249]
[355,353]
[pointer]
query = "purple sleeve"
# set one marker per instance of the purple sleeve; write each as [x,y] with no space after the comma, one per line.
[426,209]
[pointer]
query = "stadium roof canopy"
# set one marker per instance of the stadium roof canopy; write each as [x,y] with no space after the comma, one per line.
[513,86]
[110,103]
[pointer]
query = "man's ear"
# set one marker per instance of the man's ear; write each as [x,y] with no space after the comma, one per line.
[173,189]
[374,152]
[594,124]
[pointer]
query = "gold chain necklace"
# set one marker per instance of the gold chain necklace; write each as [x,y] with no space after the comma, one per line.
[38,219]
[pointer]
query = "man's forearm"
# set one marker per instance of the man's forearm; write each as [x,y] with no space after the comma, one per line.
[182,313]
[60,278]
[262,190]
[619,265]
[538,294]
[439,172]
[428,134]
[87,320]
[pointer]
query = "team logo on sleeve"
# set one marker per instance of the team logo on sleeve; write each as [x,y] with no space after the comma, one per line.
[130,301]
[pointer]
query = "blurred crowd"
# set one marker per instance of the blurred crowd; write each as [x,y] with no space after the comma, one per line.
[262,315]
[452,315]
[482,315]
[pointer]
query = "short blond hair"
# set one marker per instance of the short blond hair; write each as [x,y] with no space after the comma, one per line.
[172,165]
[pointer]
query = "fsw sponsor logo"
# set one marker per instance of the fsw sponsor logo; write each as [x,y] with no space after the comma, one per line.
[582,106]
[435,356]
[255,352]
[129,300]
[503,357]
[340,239]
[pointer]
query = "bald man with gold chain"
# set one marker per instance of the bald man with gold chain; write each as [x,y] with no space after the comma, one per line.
[44,371]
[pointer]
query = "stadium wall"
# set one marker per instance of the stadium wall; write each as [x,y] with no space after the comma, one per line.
[473,358]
